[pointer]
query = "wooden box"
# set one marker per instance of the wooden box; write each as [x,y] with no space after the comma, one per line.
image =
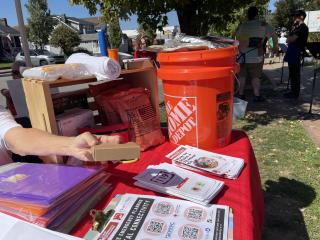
[39,98]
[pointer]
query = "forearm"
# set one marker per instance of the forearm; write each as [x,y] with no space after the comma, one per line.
[30,141]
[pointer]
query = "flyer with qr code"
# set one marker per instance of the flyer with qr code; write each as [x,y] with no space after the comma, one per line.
[172,180]
[197,159]
[147,217]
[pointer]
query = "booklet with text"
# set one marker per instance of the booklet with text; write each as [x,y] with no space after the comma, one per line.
[197,159]
[172,180]
[151,217]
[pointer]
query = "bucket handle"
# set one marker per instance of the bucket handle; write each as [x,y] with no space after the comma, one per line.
[238,82]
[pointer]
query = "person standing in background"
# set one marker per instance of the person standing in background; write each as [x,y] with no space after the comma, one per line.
[252,37]
[297,41]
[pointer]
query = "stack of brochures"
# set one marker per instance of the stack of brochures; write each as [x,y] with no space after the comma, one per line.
[197,159]
[50,195]
[175,181]
[132,216]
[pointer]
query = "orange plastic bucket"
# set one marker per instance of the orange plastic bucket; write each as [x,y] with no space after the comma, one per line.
[113,53]
[199,105]
[220,57]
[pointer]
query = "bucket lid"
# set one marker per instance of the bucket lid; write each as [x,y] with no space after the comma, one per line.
[197,56]
[187,74]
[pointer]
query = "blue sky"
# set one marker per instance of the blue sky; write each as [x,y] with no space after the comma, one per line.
[7,10]
[271,4]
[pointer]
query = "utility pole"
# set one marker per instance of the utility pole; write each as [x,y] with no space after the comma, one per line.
[23,34]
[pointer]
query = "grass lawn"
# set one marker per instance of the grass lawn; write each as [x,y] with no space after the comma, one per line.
[289,165]
[5,65]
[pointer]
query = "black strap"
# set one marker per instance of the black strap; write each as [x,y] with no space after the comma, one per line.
[243,55]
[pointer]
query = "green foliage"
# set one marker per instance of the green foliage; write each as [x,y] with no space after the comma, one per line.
[114,33]
[284,8]
[312,5]
[82,50]
[239,17]
[146,32]
[195,16]
[66,38]
[40,23]
[314,37]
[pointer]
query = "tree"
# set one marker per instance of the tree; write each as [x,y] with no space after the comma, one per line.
[40,23]
[284,8]
[239,17]
[66,38]
[115,34]
[195,16]
[147,33]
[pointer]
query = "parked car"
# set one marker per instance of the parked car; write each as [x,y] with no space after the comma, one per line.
[41,57]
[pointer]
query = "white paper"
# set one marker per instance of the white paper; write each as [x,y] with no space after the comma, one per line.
[152,217]
[175,181]
[201,160]
[12,228]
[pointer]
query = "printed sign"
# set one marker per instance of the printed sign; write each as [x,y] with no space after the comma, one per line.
[182,118]
[313,21]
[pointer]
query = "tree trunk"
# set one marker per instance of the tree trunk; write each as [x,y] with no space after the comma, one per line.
[192,20]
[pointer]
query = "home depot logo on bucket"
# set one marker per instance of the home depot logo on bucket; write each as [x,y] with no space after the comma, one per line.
[182,119]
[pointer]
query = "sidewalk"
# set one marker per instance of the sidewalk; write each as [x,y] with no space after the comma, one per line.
[279,107]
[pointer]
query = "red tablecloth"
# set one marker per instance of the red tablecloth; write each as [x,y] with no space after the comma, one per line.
[243,195]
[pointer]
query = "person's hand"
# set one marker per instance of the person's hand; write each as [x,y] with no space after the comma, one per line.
[109,139]
[80,147]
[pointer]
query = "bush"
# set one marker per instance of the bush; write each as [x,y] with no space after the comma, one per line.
[314,37]
[81,50]
[66,38]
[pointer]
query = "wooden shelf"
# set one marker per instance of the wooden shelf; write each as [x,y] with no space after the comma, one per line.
[40,105]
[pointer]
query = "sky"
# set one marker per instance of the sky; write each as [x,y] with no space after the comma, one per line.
[7,10]
[271,5]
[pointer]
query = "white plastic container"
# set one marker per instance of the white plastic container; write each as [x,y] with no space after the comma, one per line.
[239,108]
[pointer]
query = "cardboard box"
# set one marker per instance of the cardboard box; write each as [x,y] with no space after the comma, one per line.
[70,121]
[118,152]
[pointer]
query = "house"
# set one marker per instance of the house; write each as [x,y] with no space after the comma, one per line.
[76,24]
[96,21]
[9,41]
[87,29]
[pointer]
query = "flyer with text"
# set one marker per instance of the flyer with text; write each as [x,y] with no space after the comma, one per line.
[147,217]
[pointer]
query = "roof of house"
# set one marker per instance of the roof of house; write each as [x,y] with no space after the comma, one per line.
[16,28]
[97,21]
[8,30]
[94,20]
[73,19]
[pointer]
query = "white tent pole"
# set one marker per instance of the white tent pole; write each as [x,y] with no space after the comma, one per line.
[23,34]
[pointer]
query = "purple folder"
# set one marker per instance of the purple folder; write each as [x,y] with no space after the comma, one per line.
[41,183]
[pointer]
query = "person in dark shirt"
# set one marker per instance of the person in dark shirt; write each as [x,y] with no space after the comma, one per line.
[297,41]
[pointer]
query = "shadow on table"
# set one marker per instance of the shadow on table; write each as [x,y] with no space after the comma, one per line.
[284,200]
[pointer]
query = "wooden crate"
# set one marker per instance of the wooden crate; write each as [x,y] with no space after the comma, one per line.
[39,99]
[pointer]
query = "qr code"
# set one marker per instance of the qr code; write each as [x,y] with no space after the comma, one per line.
[163,209]
[190,232]
[195,214]
[155,226]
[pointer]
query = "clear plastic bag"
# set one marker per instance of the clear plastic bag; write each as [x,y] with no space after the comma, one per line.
[54,72]
[183,42]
